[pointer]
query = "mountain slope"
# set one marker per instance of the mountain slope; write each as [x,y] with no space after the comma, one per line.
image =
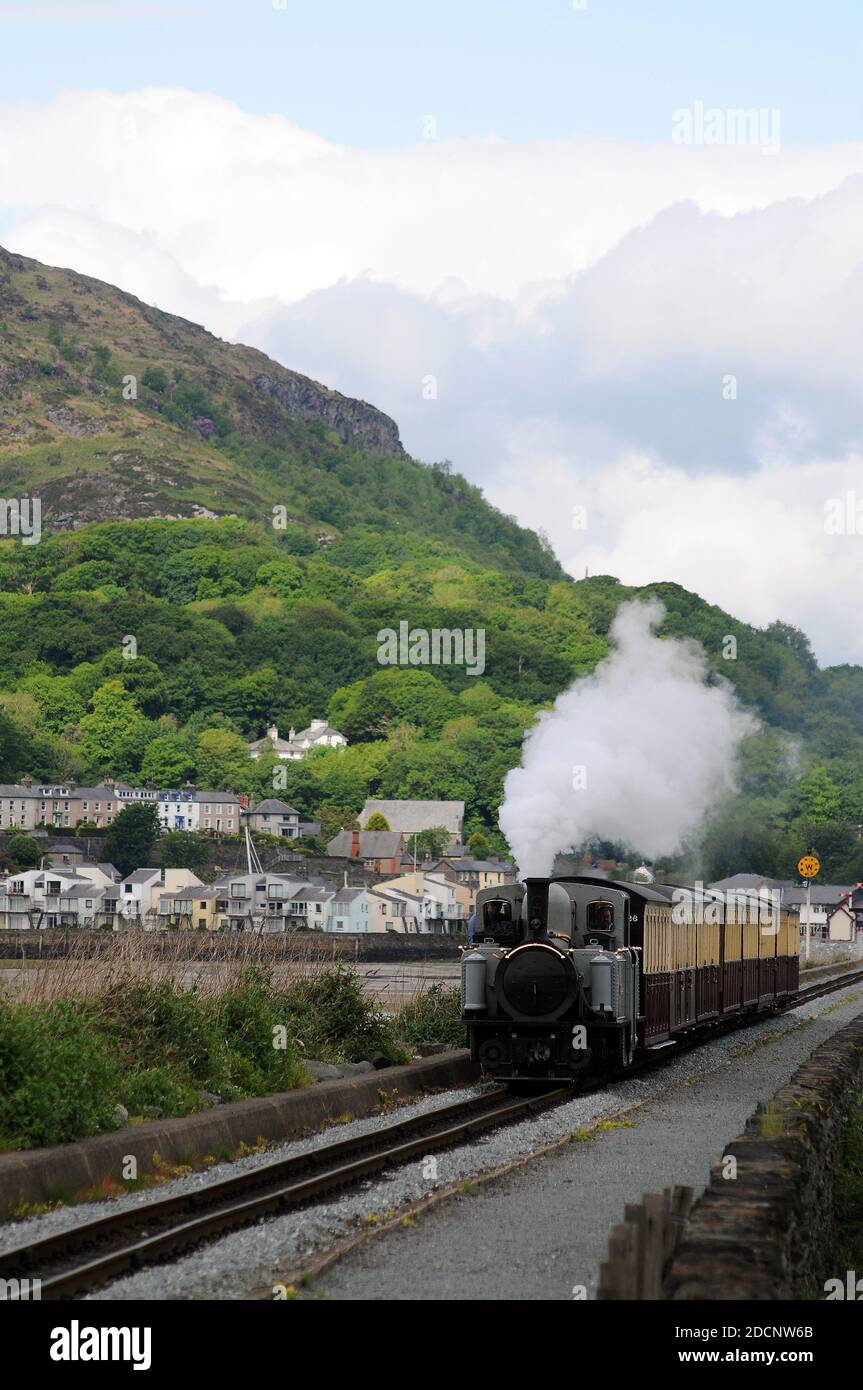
[112,409]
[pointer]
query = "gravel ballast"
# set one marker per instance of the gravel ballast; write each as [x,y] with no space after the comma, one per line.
[538,1232]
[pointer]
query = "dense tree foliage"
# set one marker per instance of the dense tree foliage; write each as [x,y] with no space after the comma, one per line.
[158,649]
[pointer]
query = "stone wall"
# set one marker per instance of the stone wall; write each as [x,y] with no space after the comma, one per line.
[767,1234]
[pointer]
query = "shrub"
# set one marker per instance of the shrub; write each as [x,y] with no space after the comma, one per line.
[158,1086]
[332,1018]
[59,1080]
[157,1025]
[246,1016]
[432,1017]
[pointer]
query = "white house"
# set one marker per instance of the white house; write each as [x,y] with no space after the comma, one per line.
[141,891]
[319,734]
[193,809]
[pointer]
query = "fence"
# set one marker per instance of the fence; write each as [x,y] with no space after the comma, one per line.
[641,1248]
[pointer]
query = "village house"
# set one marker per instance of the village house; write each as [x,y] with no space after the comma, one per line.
[439,904]
[273,817]
[319,734]
[845,922]
[194,908]
[141,891]
[379,850]
[28,805]
[197,810]
[348,911]
[258,901]
[85,896]
[474,874]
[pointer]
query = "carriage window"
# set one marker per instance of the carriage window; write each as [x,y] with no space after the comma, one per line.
[497,921]
[600,917]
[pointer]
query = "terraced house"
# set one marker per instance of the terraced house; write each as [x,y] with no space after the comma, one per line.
[28,805]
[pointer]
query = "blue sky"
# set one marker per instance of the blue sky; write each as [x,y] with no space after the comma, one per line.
[365,72]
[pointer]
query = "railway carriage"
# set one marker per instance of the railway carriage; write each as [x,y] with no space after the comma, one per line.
[572,973]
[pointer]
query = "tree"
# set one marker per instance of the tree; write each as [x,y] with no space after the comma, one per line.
[479,846]
[430,844]
[13,750]
[113,717]
[180,850]
[336,818]
[25,851]
[155,379]
[377,821]
[168,761]
[223,762]
[129,841]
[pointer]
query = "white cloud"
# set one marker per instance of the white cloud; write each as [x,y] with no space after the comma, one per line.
[579,303]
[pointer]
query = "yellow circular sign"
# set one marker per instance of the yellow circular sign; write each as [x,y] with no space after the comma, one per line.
[809,866]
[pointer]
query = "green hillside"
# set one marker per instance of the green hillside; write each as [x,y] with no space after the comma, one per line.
[211,429]
[158,519]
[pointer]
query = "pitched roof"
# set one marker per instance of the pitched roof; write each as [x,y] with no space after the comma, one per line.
[322,731]
[793,893]
[311,894]
[348,895]
[412,816]
[373,844]
[142,875]
[273,806]
[488,866]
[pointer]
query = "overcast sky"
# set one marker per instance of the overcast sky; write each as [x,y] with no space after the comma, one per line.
[541,236]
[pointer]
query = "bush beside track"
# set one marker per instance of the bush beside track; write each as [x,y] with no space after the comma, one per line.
[157,1049]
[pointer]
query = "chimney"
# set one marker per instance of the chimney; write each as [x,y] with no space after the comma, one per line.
[537,905]
[292,733]
[355,844]
[109,781]
[27,781]
[273,732]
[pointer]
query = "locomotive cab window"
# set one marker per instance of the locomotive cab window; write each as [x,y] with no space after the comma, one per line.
[498,923]
[600,918]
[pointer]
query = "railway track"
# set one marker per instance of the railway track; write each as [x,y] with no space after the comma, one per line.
[81,1258]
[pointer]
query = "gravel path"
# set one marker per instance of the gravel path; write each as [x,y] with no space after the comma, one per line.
[538,1232]
[543,1231]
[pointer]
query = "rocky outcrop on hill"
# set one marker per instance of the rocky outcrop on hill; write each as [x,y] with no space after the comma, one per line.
[354,422]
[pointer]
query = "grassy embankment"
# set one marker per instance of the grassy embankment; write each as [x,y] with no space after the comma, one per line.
[121,1030]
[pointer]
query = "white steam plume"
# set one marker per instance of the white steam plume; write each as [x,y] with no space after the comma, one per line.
[638,752]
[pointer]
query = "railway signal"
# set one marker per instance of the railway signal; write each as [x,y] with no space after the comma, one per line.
[808,865]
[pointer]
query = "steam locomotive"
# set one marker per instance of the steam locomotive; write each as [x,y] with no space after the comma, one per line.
[573,974]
